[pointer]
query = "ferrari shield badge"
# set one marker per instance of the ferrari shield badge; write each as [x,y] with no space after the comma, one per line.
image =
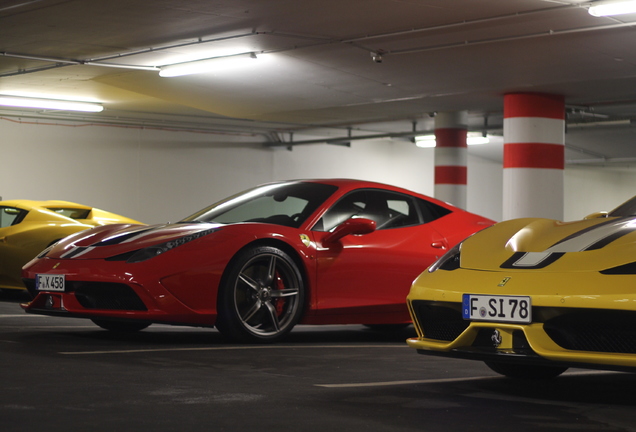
[504,281]
[305,239]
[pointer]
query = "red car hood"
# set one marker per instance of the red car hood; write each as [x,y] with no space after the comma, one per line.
[112,240]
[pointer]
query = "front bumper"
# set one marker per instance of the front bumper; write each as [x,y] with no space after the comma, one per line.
[607,346]
[102,290]
[580,320]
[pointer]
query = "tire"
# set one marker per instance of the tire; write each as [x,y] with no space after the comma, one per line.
[121,326]
[261,296]
[521,371]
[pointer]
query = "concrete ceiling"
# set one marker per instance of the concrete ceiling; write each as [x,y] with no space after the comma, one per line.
[316,77]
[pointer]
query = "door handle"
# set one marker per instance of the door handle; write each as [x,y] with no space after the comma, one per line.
[439,245]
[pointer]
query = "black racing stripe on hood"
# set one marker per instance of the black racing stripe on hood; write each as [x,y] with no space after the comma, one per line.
[73,252]
[620,232]
[584,231]
[625,269]
[510,262]
[117,239]
[607,240]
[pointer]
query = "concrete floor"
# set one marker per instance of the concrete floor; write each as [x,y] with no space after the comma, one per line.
[61,374]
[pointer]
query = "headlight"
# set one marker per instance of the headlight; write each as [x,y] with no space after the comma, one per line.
[156,250]
[449,261]
[625,269]
[45,251]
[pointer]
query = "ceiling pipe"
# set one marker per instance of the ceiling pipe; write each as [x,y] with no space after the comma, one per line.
[341,140]
[581,150]
[458,24]
[600,161]
[19,5]
[468,43]
[599,123]
[102,61]
[344,140]
[40,58]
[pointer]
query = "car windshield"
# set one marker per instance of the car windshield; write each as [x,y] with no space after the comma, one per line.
[288,204]
[628,208]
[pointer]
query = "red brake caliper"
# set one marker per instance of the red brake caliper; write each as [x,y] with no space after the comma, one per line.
[279,302]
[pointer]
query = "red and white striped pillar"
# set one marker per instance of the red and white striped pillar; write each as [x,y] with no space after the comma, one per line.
[450,157]
[534,155]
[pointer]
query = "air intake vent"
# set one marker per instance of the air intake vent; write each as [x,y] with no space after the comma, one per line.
[103,295]
[594,330]
[442,321]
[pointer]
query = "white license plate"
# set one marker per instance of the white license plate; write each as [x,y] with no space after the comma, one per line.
[50,282]
[513,309]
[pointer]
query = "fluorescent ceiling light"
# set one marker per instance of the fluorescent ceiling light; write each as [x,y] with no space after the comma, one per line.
[52,104]
[609,8]
[425,141]
[477,140]
[206,65]
[428,141]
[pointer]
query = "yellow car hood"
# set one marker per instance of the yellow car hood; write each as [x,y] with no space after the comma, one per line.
[552,246]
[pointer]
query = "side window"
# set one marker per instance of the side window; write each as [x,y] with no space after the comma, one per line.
[387,209]
[401,211]
[350,205]
[11,216]
[430,211]
[71,212]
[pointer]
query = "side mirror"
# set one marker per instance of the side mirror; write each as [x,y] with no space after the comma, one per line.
[351,226]
[597,215]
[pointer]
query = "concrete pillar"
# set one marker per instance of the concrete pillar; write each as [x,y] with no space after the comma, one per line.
[451,157]
[534,155]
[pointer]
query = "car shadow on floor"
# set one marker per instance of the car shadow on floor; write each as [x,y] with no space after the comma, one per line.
[577,386]
[14,296]
[178,336]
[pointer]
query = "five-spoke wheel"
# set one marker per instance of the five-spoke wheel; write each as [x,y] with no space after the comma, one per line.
[261,296]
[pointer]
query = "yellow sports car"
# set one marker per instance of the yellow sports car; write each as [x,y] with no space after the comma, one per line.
[28,227]
[532,297]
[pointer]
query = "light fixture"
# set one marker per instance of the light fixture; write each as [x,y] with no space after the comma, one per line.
[52,104]
[205,65]
[477,140]
[428,141]
[425,141]
[609,8]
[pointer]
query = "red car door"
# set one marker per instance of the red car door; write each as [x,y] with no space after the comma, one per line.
[371,274]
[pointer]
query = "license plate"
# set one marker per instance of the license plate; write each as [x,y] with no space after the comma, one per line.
[50,282]
[513,309]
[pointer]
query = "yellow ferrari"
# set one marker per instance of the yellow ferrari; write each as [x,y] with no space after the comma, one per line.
[28,227]
[533,297]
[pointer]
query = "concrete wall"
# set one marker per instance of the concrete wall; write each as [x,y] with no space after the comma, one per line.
[160,175]
[592,189]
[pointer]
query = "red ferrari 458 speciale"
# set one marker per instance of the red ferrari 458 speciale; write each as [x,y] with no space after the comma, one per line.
[255,264]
